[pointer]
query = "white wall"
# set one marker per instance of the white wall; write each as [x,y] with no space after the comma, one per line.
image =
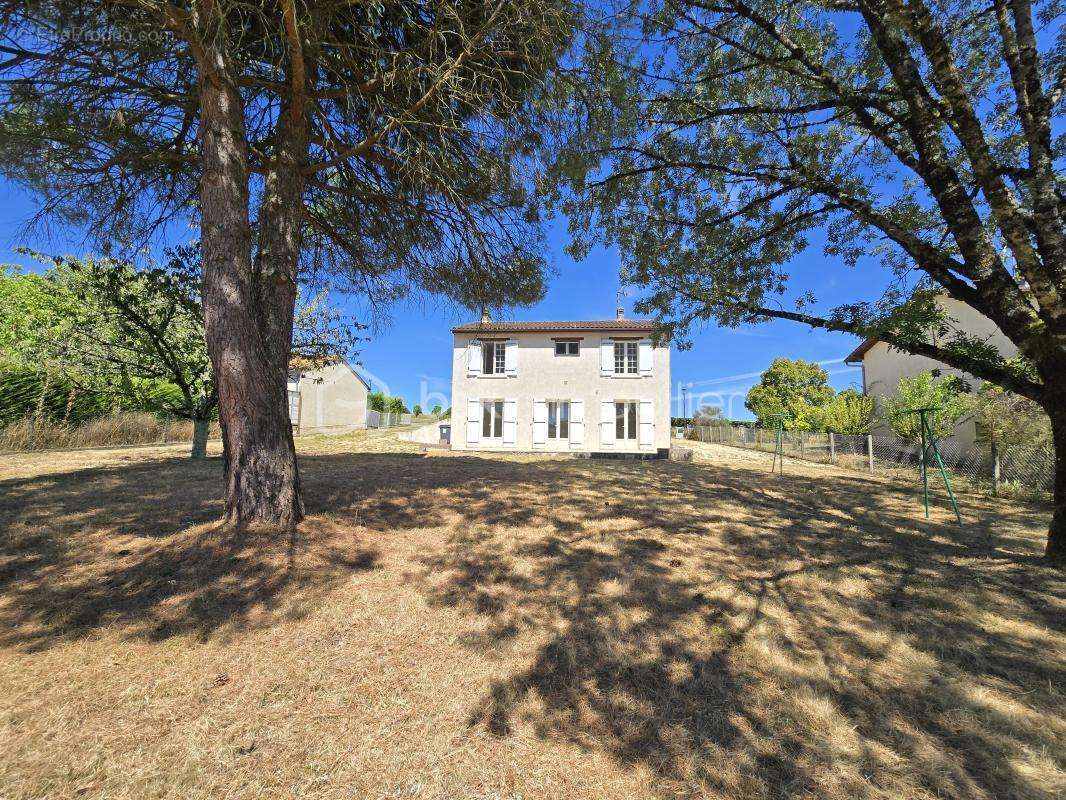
[332,398]
[544,376]
[884,365]
[426,434]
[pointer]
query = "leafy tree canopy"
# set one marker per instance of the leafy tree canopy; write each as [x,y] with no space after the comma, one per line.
[796,389]
[1004,418]
[849,412]
[416,126]
[948,395]
[386,404]
[710,415]
[708,141]
[120,331]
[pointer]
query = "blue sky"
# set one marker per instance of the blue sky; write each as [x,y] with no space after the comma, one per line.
[411,357]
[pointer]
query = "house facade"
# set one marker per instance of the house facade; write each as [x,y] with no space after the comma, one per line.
[328,398]
[884,365]
[596,386]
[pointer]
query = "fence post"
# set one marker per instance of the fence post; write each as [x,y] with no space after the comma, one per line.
[995,469]
[870,451]
[832,448]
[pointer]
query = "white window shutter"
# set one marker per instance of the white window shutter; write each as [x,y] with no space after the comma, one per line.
[645,356]
[473,421]
[607,423]
[510,422]
[540,422]
[577,423]
[510,357]
[473,358]
[647,424]
[606,357]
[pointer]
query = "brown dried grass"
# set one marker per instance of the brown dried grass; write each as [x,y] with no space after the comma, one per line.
[505,627]
[125,428]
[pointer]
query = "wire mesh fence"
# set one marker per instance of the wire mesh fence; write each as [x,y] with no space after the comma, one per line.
[385,419]
[980,466]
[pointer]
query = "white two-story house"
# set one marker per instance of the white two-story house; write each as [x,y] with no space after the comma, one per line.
[599,386]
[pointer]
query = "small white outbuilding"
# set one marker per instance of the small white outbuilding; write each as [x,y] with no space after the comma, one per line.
[328,398]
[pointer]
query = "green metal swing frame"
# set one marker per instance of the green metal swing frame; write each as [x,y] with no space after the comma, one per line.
[779,442]
[929,443]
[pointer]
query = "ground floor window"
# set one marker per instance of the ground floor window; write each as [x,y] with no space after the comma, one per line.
[558,419]
[492,419]
[625,419]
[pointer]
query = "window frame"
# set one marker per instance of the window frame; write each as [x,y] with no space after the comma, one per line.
[494,355]
[558,420]
[492,420]
[571,348]
[626,420]
[626,357]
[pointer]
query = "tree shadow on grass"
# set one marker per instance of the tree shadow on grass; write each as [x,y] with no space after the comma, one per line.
[134,548]
[733,633]
[741,637]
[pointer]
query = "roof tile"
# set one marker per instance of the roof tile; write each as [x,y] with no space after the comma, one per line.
[548,326]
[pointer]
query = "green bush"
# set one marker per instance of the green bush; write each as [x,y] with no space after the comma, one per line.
[21,393]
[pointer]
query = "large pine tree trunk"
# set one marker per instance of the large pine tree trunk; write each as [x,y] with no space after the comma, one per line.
[1056,540]
[261,479]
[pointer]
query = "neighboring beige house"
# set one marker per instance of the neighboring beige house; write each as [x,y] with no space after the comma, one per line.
[328,398]
[883,365]
[599,386]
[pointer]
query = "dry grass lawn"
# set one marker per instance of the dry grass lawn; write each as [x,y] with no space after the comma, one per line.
[452,626]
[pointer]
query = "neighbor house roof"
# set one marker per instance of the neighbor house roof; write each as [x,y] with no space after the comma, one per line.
[859,352]
[563,326]
[304,364]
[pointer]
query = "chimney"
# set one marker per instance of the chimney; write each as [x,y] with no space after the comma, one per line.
[619,313]
[485,319]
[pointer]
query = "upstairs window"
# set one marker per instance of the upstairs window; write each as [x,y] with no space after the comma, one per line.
[493,358]
[626,359]
[566,348]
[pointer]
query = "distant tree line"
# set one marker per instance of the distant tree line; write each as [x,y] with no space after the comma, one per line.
[797,392]
[386,404]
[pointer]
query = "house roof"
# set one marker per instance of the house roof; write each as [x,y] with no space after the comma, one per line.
[302,364]
[859,352]
[565,326]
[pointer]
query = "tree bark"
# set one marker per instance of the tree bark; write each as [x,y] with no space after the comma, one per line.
[1056,538]
[261,478]
[200,429]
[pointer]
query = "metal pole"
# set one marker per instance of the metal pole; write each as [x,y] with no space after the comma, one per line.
[921,466]
[832,448]
[947,482]
[779,449]
[995,469]
[870,451]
